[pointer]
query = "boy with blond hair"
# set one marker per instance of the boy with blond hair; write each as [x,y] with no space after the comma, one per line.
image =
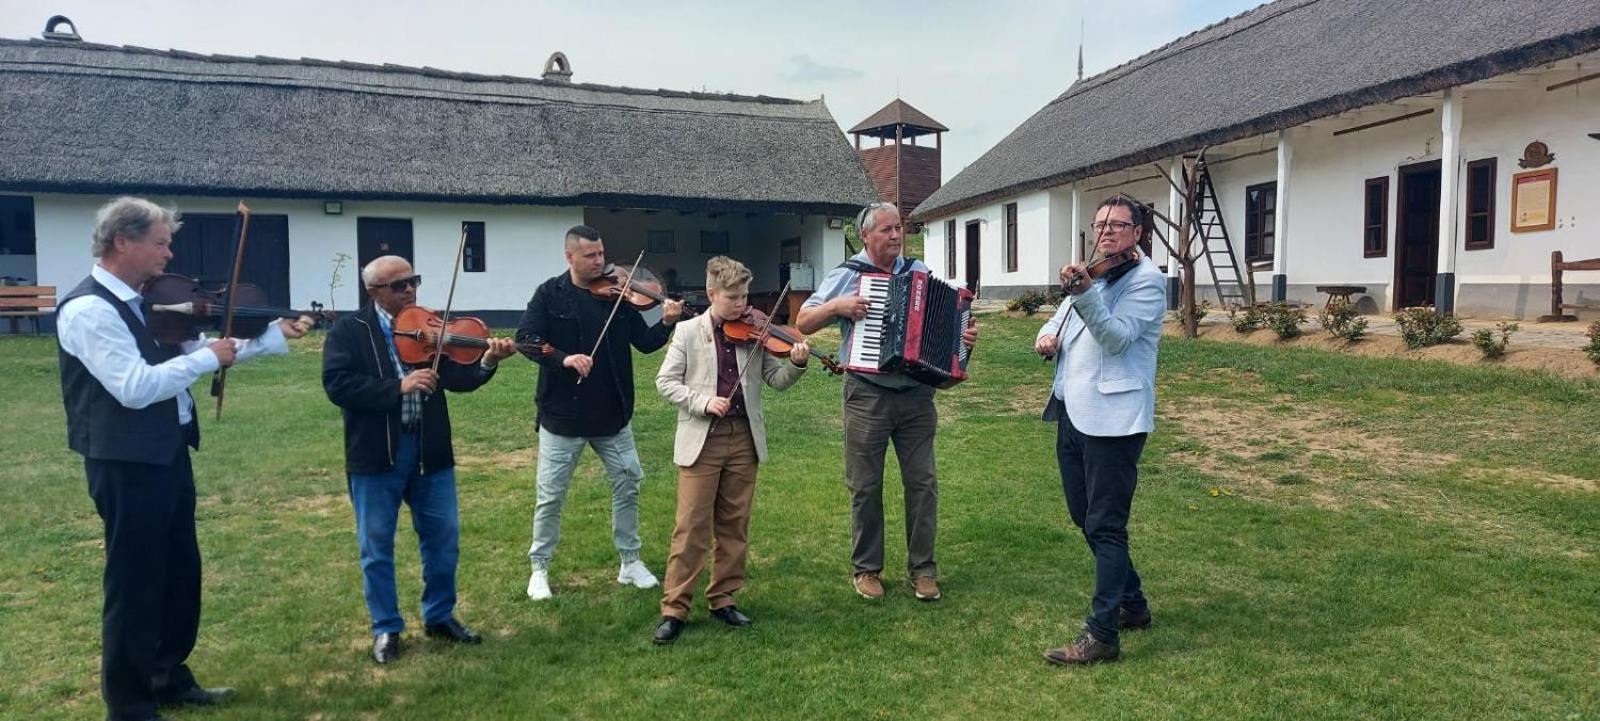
[716,385]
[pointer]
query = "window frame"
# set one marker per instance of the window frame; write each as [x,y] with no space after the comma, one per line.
[1259,248]
[1487,212]
[1008,216]
[1382,224]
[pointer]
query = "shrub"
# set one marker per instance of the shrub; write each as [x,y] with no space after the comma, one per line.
[1029,302]
[1492,348]
[1341,320]
[1422,327]
[1285,319]
[1593,349]
[1246,319]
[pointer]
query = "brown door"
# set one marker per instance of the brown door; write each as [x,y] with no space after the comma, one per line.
[973,248]
[377,237]
[1416,260]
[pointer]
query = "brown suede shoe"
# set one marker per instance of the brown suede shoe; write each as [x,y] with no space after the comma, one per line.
[1086,650]
[927,588]
[1127,620]
[868,585]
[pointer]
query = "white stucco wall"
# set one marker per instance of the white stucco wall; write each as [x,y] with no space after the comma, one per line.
[522,245]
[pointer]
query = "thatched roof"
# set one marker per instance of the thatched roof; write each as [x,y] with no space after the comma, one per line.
[898,112]
[1277,66]
[92,118]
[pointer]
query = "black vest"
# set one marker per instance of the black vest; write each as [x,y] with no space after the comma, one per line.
[98,426]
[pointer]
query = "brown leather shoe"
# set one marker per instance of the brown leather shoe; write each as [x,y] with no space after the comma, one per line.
[1127,620]
[869,586]
[927,588]
[1086,650]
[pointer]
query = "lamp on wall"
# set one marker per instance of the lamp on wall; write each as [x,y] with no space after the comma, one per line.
[835,223]
[333,207]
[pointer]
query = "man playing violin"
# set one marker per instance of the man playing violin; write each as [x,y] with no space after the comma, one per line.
[1104,338]
[397,448]
[132,418]
[721,440]
[585,398]
[881,408]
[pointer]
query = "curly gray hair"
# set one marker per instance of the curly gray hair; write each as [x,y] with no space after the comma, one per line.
[131,218]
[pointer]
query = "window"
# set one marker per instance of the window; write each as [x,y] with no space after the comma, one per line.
[16,225]
[1375,232]
[1011,237]
[1260,213]
[472,260]
[1480,204]
[713,241]
[950,248]
[660,241]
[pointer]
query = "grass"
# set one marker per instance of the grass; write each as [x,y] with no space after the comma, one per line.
[1322,537]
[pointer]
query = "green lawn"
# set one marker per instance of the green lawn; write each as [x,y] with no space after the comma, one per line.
[1320,536]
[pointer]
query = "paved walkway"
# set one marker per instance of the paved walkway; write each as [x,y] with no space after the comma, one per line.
[1529,333]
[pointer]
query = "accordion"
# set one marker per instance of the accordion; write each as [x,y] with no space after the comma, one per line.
[913,326]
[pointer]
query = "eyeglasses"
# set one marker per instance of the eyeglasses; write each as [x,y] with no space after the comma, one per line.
[861,217]
[1115,226]
[399,286]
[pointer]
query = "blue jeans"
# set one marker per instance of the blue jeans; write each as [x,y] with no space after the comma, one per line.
[558,457]
[432,498]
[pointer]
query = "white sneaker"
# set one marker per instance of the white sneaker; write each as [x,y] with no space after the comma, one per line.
[634,573]
[539,584]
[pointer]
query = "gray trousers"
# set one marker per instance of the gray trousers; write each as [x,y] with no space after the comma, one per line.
[873,417]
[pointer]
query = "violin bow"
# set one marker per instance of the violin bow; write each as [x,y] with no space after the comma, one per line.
[444,317]
[241,221]
[766,330]
[614,306]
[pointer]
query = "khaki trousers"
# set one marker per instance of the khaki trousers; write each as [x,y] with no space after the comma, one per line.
[715,496]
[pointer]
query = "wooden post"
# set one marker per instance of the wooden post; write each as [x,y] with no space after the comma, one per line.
[1555,283]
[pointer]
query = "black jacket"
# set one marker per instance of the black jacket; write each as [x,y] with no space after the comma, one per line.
[569,319]
[360,378]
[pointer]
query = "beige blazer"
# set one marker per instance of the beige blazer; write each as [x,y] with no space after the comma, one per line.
[688,380]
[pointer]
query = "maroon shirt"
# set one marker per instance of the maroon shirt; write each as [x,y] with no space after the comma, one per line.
[728,382]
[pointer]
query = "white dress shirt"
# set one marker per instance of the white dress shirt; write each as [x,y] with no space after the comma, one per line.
[92,331]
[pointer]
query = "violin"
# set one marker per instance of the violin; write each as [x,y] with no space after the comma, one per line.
[1099,268]
[177,308]
[466,339]
[643,293]
[778,340]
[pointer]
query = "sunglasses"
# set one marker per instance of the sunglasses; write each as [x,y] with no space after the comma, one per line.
[399,286]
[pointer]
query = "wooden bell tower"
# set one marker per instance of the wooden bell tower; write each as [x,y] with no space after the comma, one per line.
[904,172]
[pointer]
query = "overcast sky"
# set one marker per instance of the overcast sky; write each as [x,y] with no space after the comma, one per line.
[981,68]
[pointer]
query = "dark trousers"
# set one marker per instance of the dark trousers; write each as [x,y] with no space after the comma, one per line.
[1098,475]
[152,582]
[873,417]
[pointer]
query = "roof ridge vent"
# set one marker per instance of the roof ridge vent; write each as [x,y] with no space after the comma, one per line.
[557,69]
[69,35]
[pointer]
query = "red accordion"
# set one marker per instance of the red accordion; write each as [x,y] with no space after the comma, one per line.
[913,326]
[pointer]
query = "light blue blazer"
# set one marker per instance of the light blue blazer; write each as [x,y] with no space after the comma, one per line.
[1106,370]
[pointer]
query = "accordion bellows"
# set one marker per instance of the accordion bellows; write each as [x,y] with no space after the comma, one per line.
[913,326]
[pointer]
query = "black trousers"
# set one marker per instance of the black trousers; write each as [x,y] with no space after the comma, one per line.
[152,582]
[1098,475]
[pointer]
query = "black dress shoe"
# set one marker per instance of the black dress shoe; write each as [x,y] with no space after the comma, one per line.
[196,696]
[453,630]
[668,631]
[1129,620]
[731,616]
[385,647]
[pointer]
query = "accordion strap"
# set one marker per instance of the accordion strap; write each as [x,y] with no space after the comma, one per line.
[861,266]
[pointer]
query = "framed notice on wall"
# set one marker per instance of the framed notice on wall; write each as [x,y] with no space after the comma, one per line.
[1533,200]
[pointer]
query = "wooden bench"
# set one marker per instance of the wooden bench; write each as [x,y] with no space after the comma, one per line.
[26,301]
[1558,266]
[1339,292]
